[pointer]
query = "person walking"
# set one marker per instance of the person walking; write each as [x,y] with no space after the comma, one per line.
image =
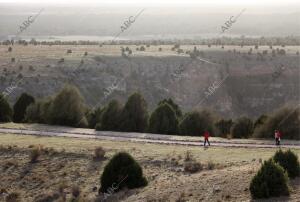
[277,137]
[206,136]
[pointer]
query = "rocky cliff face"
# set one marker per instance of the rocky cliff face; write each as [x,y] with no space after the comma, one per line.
[233,84]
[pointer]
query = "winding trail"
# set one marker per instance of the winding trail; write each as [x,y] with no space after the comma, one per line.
[140,137]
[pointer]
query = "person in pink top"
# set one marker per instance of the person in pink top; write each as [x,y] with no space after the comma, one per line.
[277,137]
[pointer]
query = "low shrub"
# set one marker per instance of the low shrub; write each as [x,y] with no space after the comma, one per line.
[211,165]
[10,163]
[35,153]
[3,191]
[13,197]
[289,161]
[192,166]
[270,181]
[99,153]
[75,192]
[122,171]
[188,156]
[47,197]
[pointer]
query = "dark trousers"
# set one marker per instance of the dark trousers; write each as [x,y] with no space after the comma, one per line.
[277,141]
[206,140]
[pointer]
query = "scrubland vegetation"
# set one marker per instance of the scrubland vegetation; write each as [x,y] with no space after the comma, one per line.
[66,169]
[68,108]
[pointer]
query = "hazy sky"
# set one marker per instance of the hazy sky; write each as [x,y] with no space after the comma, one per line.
[159,2]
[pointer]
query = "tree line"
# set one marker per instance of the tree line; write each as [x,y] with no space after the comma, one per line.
[238,41]
[68,108]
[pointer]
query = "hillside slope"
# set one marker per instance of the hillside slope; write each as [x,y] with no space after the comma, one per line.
[230,81]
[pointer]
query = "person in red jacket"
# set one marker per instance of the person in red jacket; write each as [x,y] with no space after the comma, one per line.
[278,136]
[206,136]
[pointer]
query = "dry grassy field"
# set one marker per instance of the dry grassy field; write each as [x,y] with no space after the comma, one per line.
[58,51]
[66,163]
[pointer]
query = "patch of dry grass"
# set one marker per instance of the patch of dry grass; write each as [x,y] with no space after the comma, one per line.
[67,162]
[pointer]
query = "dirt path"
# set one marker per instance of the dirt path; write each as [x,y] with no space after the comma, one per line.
[139,137]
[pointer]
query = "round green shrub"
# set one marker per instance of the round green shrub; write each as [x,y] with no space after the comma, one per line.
[122,171]
[270,181]
[163,120]
[134,116]
[289,161]
[68,108]
[20,107]
[110,117]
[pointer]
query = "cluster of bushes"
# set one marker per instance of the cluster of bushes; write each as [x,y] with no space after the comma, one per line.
[16,114]
[126,51]
[190,163]
[67,108]
[272,180]
[133,117]
[286,120]
[167,118]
